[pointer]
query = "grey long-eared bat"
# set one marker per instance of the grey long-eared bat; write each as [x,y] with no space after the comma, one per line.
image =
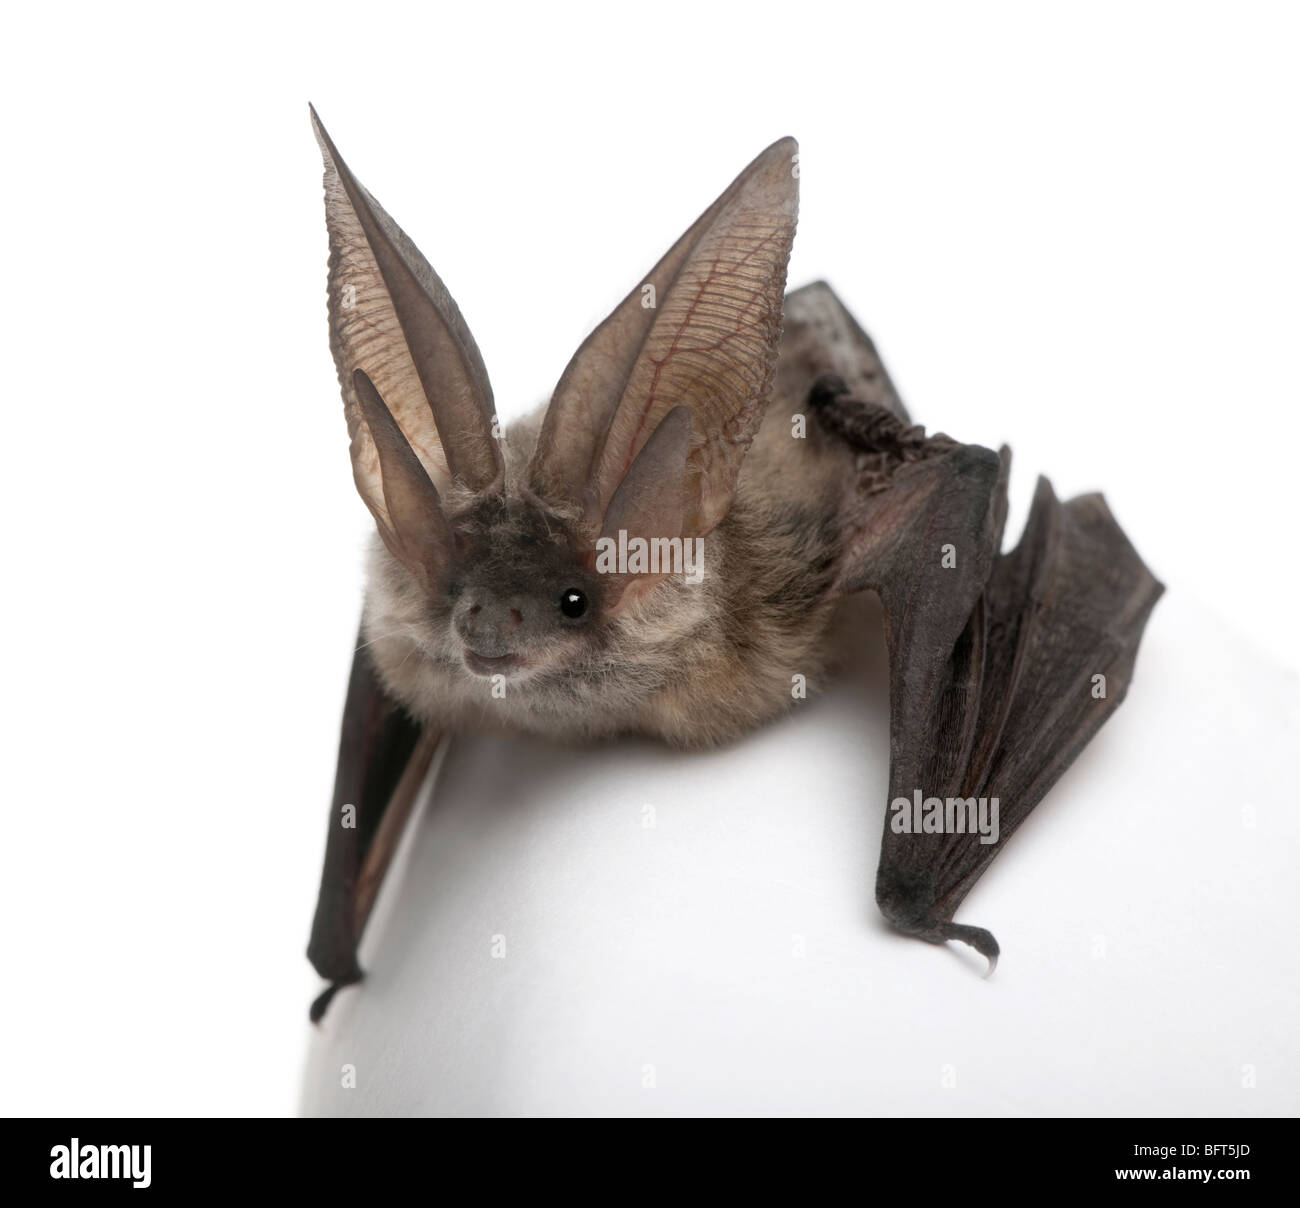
[661,548]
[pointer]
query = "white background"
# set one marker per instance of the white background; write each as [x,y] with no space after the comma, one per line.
[1072,230]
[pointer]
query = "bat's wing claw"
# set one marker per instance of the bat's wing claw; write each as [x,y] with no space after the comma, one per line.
[322,1001]
[978,938]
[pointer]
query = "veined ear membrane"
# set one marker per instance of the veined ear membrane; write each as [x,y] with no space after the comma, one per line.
[391,315]
[702,330]
[414,528]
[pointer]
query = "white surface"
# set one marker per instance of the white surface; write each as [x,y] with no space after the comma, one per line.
[1146,913]
[1072,231]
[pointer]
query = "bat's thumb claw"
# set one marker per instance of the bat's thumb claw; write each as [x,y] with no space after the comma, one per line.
[323,1000]
[979,939]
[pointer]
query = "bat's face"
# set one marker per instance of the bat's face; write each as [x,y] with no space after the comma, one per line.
[496,574]
[517,599]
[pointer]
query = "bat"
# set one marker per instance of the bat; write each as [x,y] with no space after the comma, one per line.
[660,550]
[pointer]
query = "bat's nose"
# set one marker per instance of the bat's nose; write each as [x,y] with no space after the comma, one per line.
[488,625]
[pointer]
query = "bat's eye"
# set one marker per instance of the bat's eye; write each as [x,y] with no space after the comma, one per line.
[573,603]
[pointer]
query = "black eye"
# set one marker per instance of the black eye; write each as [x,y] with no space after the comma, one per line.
[573,603]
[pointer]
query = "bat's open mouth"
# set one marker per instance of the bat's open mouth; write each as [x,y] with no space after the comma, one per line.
[480,664]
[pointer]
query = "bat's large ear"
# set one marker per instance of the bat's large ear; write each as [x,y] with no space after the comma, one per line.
[410,518]
[393,319]
[701,332]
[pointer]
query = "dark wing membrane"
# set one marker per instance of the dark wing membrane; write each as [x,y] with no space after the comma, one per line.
[1064,613]
[383,758]
[820,337]
[1001,667]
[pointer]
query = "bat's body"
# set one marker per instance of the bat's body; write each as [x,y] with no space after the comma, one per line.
[754,437]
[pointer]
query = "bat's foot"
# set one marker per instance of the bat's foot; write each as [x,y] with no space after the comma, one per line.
[867,427]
